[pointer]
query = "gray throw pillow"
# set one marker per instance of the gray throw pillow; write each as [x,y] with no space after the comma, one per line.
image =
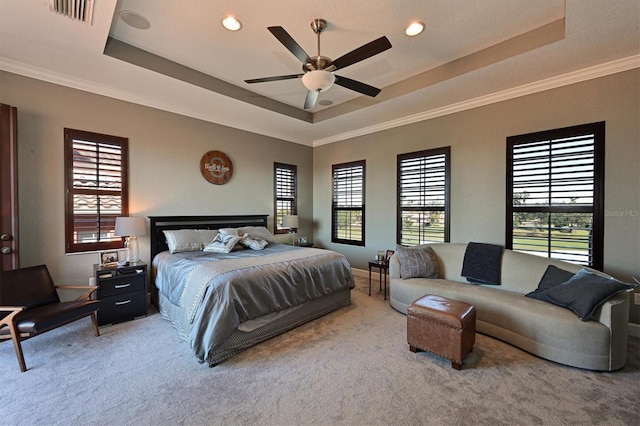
[417,262]
[584,293]
[552,277]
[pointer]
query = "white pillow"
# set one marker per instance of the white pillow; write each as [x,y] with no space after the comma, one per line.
[223,243]
[181,240]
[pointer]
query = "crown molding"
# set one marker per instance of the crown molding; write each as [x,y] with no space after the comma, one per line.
[98,89]
[585,74]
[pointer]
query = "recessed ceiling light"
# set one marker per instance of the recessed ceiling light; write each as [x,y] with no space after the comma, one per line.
[414,29]
[325,102]
[135,20]
[231,23]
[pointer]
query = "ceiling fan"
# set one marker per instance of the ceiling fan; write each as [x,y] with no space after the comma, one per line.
[318,70]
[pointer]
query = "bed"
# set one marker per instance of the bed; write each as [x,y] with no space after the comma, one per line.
[224,303]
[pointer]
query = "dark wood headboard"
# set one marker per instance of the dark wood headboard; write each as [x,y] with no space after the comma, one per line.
[162,223]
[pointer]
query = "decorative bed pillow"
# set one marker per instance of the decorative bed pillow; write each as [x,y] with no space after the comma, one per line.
[181,240]
[254,231]
[223,243]
[584,293]
[257,232]
[254,243]
[552,277]
[417,262]
[229,231]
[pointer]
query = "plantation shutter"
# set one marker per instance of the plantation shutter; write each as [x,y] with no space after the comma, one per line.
[554,187]
[285,190]
[96,190]
[348,203]
[423,197]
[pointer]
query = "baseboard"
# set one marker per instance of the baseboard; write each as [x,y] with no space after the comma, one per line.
[360,272]
[634,329]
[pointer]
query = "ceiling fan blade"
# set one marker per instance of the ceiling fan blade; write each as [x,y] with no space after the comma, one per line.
[363,52]
[310,101]
[358,86]
[290,44]
[275,78]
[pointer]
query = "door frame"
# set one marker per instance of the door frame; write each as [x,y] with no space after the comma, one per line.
[9,188]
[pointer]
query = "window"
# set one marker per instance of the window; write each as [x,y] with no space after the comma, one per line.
[286,201]
[96,185]
[555,194]
[347,215]
[423,197]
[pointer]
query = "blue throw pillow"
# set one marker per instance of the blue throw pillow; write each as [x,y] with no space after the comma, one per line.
[552,277]
[584,293]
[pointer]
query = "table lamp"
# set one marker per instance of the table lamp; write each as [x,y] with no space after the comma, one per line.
[131,227]
[291,222]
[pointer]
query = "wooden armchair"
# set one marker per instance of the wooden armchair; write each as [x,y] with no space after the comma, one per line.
[30,305]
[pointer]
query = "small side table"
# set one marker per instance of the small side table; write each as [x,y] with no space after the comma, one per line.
[382,269]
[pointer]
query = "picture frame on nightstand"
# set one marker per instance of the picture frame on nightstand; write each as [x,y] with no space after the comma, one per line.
[109,258]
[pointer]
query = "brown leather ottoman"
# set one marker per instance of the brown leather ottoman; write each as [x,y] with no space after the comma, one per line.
[442,326]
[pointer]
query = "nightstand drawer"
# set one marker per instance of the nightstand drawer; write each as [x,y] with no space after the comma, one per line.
[122,307]
[121,284]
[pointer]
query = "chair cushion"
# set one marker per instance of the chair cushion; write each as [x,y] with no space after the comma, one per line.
[44,318]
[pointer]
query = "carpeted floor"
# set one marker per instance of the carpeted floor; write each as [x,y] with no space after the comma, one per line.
[352,367]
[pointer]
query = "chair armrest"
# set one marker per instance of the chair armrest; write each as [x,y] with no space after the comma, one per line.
[13,311]
[84,296]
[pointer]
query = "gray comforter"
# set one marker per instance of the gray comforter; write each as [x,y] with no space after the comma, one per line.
[214,293]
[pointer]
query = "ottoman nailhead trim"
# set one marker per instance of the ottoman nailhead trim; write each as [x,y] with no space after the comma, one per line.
[437,323]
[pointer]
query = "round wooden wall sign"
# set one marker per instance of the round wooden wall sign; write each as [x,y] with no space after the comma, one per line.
[216,167]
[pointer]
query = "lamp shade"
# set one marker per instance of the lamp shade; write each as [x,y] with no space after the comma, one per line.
[130,226]
[290,221]
[318,80]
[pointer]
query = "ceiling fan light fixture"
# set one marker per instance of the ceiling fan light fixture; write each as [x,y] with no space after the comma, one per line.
[231,23]
[318,81]
[414,29]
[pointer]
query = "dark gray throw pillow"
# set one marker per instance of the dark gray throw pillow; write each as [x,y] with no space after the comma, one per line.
[552,277]
[417,262]
[584,293]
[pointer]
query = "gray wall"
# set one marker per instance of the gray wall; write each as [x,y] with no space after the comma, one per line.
[478,151]
[165,150]
[164,153]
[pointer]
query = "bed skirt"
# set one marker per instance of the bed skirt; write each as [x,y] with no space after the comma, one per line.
[242,340]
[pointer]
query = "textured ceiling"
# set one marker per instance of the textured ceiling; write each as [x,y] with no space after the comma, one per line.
[187,63]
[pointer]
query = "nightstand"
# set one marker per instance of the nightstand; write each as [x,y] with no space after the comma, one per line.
[122,292]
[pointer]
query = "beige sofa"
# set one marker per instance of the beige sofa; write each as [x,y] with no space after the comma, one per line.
[543,329]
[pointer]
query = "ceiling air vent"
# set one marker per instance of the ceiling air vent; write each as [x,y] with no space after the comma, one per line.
[78,10]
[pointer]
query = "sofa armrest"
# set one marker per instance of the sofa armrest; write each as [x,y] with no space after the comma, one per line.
[614,314]
[394,267]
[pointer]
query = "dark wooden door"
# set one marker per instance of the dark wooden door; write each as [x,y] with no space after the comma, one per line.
[9,253]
